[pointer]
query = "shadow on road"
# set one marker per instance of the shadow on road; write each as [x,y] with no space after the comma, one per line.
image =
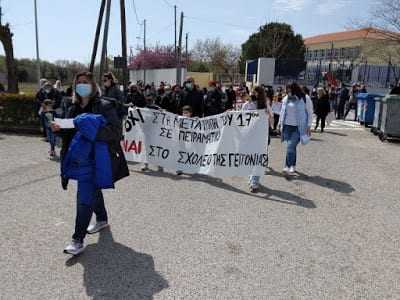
[338,186]
[265,193]
[328,131]
[313,139]
[113,271]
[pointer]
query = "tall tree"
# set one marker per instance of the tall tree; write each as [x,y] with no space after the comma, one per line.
[222,59]
[276,40]
[384,25]
[6,39]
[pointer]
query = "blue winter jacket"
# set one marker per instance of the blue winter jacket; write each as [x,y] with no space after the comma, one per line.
[86,158]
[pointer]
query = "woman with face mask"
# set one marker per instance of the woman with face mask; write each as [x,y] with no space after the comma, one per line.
[295,123]
[90,199]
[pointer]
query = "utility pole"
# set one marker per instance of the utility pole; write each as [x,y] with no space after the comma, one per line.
[37,45]
[175,29]
[103,61]
[331,58]
[145,50]
[187,48]
[125,74]
[97,36]
[179,69]
[1,14]
[389,67]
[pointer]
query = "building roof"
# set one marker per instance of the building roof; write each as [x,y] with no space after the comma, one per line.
[365,33]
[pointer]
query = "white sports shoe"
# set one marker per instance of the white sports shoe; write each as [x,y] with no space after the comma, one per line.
[286,170]
[74,248]
[254,188]
[292,170]
[95,228]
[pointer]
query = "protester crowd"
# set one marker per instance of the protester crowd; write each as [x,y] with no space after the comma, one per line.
[99,111]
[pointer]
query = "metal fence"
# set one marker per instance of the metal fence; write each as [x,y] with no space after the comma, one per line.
[375,76]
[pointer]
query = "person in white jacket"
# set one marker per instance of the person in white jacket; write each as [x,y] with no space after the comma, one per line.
[258,101]
[295,123]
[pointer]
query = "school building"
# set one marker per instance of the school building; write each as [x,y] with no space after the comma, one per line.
[366,55]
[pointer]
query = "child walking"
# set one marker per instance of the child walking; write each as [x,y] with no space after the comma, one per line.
[49,115]
[187,112]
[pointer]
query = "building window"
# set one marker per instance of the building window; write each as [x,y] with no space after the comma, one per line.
[316,56]
[335,53]
[328,53]
[342,52]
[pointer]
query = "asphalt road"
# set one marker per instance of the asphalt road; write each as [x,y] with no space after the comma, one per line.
[332,232]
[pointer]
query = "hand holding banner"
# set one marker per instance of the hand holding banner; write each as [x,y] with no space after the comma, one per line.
[230,144]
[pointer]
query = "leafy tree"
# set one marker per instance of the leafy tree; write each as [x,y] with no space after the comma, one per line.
[276,40]
[155,58]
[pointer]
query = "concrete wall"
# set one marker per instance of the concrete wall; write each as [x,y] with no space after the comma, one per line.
[157,75]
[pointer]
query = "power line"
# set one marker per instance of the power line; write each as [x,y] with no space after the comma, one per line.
[156,33]
[168,3]
[136,13]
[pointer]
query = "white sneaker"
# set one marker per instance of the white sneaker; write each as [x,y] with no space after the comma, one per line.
[286,170]
[292,170]
[254,188]
[75,248]
[95,228]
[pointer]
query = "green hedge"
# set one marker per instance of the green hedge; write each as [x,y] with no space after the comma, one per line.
[18,110]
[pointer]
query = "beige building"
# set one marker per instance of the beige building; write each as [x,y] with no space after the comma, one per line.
[354,54]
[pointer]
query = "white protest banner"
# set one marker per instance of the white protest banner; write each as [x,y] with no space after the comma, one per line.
[230,144]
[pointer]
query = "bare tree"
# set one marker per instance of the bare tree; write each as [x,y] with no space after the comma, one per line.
[385,26]
[222,58]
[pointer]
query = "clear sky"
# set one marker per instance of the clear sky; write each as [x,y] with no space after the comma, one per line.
[66,27]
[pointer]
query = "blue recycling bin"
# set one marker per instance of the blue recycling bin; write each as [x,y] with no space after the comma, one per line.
[366,108]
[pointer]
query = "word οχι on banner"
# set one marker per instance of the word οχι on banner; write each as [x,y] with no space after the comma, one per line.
[230,144]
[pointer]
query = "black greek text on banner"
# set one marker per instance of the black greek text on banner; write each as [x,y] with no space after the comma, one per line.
[230,144]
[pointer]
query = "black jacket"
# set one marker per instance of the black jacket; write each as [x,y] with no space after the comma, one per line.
[213,103]
[194,99]
[137,99]
[113,92]
[54,95]
[344,95]
[231,99]
[323,106]
[171,101]
[111,133]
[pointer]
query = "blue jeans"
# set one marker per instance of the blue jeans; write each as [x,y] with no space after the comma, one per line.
[254,180]
[43,124]
[52,138]
[291,135]
[89,200]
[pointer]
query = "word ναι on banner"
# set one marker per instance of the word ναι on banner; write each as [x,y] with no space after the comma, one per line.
[230,144]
